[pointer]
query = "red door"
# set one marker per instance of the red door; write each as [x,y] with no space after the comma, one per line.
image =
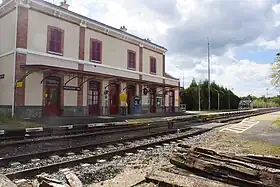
[153,100]
[114,98]
[52,96]
[130,99]
[93,98]
[171,101]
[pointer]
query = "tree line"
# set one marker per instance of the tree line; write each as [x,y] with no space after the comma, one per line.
[263,102]
[190,96]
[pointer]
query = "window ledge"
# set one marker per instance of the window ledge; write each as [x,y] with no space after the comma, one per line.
[96,61]
[133,69]
[55,53]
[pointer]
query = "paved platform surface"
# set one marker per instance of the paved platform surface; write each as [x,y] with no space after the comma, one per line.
[65,120]
[258,128]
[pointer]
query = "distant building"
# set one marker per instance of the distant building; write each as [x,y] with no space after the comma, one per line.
[245,103]
[57,62]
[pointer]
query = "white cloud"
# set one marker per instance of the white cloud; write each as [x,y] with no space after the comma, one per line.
[153,20]
[183,26]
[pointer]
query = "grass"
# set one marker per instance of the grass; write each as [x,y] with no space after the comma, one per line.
[277,122]
[7,122]
[237,144]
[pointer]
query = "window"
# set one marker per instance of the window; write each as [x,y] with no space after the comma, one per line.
[55,40]
[153,65]
[95,50]
[131,59]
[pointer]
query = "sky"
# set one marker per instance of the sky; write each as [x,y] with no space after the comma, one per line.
[244,36]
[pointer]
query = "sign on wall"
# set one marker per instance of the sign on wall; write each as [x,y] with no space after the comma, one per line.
[2,76]
[19,84]
[71,88]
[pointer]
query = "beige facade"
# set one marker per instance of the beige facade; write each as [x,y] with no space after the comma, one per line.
[37,34]
[45,73]
[6,84]
[7,32]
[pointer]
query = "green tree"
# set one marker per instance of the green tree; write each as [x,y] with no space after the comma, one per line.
[190,96]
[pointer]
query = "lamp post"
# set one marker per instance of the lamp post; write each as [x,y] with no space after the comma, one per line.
[209,91]
[199,97]
[218,98]
[229,98]
[183,76]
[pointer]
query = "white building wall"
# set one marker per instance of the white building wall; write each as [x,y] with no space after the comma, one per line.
[70,97]
[146,61]
[38,31]
[34,90]
[7,32]
[115,47]
[6,84]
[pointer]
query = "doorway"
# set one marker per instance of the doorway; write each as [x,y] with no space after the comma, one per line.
[114,98]
[94,98]
[52,96]
[171,101]
[153,100]
[130,98]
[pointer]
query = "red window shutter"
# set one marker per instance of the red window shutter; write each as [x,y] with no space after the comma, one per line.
[98,51]
[96,48]
[93,50]
[134,60]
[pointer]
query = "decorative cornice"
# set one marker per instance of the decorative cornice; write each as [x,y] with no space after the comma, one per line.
[23,3]
[83,23]
[57,13]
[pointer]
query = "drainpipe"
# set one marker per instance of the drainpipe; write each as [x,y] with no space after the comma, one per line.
[14,65]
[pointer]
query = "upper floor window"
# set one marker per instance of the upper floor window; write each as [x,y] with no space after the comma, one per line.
[153,65]
[131,59]
[95,50]
[55,40]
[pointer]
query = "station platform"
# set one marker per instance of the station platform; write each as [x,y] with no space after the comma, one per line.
[69,120]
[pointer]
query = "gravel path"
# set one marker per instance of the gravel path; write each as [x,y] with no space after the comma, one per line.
[104,172]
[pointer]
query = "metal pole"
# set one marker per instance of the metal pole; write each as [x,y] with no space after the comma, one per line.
[199,97]
[218,101]
[183,79]
[266,97]
[229,99]
[209,97]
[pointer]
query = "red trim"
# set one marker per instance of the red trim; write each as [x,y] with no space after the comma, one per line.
[21,42]
[91,52]
[82,43]
[153,65]
[131,63]
[50,30]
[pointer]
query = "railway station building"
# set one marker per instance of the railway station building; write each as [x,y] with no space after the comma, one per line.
[54,62]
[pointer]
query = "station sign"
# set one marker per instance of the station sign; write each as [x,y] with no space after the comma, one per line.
[71,88]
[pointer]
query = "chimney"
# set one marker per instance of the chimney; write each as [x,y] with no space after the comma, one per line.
[64,4]
[148,39]
[123,28]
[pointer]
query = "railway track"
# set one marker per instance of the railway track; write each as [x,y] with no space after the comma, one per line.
[68,131]
[76,129]
[31,146]
[29,165]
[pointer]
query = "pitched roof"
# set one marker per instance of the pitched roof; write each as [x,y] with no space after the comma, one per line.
[169,76]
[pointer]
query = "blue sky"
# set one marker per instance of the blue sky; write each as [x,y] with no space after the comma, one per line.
[259,56]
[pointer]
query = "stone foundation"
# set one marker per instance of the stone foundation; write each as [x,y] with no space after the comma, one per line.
[37,111]
[6,110]
[75,111]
